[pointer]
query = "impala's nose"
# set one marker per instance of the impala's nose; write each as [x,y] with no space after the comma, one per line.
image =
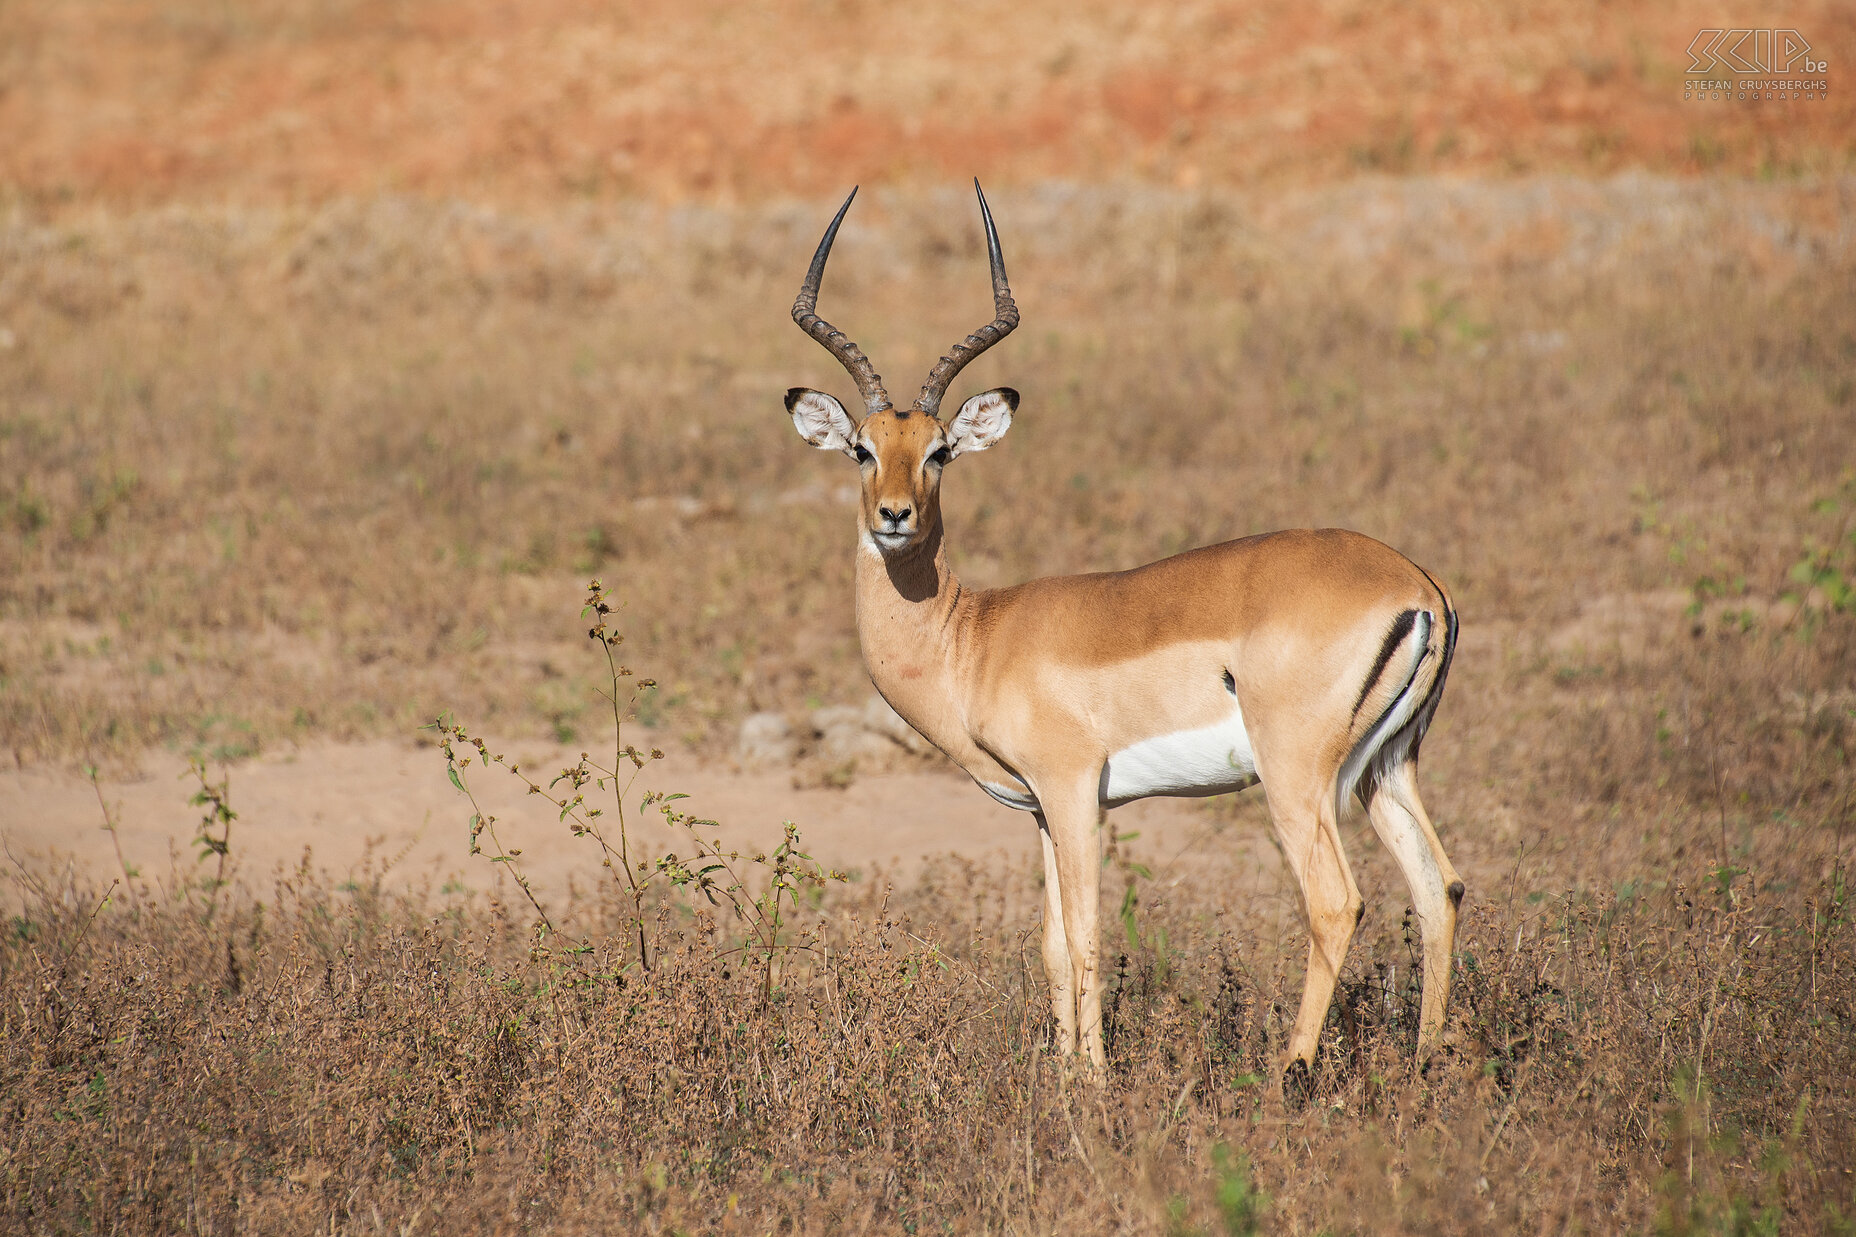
[895,517]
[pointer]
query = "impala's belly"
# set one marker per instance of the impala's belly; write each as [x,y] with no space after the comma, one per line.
[1208,761]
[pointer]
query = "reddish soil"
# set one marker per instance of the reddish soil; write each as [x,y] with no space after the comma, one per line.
[138,101]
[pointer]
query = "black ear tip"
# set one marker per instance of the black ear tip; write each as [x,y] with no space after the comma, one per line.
[793,395]
[1010,396]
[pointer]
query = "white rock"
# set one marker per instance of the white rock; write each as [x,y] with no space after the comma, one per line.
[842,738]
[883,720]
[836,717]
[767,740]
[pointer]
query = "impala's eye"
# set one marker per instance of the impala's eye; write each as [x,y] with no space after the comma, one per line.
[940,457]
[863,454]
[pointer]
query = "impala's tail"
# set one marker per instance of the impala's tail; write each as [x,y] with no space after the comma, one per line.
[1395,737]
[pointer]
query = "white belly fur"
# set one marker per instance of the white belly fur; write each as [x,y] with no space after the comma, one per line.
[1208,761]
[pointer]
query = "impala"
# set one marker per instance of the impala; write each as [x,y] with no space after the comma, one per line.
[1308,660]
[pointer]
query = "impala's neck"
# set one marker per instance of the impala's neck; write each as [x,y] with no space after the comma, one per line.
[908,606]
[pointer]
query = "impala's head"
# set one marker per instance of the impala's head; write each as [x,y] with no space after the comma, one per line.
[901,452]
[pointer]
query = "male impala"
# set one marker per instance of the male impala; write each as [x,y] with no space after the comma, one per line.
[1310,661]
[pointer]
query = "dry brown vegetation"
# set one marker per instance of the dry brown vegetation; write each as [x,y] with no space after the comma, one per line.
[287,451]
[269,473]
[1669,1052]
[276,473]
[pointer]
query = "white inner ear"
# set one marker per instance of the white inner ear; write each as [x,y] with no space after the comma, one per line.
[822,421]
[981,422]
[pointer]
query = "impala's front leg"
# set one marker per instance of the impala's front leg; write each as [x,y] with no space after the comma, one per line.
[1073,832]
[1056,946]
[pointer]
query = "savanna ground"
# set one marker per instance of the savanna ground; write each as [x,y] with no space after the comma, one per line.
[340,346]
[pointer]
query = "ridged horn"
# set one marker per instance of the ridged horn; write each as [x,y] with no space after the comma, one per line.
[836,342]
[1005,317]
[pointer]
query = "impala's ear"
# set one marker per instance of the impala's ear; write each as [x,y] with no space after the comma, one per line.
[982,420]
[821,420]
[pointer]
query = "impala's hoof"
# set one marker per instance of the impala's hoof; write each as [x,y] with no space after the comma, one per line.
[1077,1068]
[1298,1084]
[1435,1053]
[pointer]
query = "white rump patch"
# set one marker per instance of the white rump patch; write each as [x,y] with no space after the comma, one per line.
[1389,741]
[1210,761]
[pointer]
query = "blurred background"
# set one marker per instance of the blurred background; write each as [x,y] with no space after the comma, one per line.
[340,343]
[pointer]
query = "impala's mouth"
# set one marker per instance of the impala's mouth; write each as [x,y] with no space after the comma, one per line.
[894,539]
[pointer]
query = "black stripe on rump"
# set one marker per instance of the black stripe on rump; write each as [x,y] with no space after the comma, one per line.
[1401,627]
[1443,671]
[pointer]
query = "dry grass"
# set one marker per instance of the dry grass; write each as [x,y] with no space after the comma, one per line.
[334,471]
[1651,1032]
[1672,1056]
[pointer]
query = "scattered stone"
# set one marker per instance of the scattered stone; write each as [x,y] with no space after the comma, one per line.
[843,738]
[833,743]
[767,741]
[883,720]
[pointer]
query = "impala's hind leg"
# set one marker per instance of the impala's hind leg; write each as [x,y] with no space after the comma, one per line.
[1436,891]
[1310,840]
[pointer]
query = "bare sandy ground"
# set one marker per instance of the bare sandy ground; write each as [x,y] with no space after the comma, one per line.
[390,803]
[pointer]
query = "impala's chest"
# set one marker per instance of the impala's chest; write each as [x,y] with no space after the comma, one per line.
[992,777]
[917,681]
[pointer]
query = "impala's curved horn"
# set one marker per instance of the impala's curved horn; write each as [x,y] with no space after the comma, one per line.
[836,342]
[1005,317]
